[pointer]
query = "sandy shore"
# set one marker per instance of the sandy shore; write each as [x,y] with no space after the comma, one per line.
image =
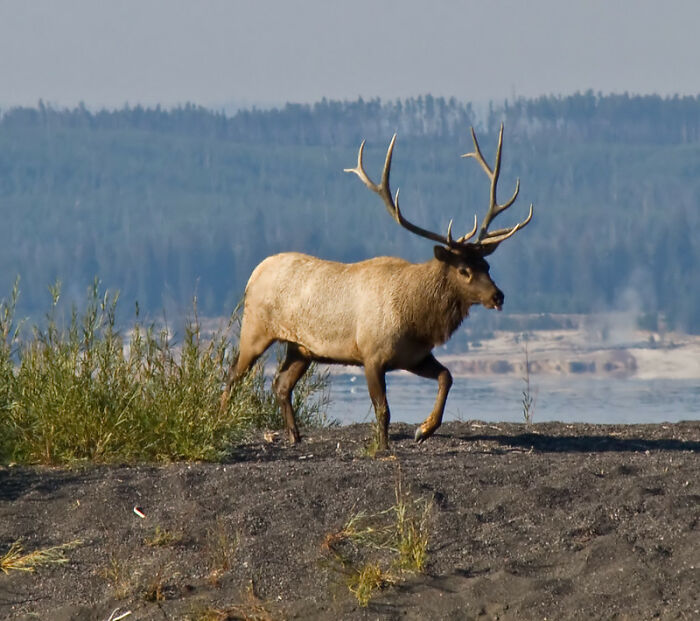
[569,352]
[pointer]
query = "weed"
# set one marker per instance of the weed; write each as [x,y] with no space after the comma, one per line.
[162,537]
[221,549]
[157,589]
[411,531]
[372,447]
[118,576]
[374,550]
[16,559]
[528,400]
[366,581]
[251,609]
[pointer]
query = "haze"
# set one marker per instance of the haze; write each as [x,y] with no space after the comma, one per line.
[220,53]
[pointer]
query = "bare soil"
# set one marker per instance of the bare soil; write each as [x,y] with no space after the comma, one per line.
[547,522]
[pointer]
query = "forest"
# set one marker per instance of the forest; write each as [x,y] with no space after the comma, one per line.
[166,204]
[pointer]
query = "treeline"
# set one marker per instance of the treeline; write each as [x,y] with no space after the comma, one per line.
[623,118]
[613,118]
[165,203]
[328,123]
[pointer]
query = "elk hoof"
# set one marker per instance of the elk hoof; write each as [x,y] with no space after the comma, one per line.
[419,437]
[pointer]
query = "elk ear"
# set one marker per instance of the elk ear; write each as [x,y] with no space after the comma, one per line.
[442,254]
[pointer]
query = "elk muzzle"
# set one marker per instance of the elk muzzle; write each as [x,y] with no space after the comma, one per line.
[496,300]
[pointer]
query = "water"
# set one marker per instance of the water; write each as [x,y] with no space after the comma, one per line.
[565,399]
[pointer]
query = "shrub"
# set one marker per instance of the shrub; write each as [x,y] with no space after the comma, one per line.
[90,392]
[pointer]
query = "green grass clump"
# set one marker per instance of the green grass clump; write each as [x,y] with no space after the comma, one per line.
[91,392]
[373,551]
[366,581]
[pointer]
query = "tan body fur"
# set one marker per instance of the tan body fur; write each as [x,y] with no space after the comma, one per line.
[384,308]
[384,313]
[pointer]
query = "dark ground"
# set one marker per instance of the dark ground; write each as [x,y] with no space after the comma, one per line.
[551,522]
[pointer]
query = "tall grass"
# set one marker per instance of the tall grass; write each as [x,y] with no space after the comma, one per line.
[88,391]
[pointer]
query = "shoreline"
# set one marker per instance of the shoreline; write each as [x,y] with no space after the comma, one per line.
[571,353]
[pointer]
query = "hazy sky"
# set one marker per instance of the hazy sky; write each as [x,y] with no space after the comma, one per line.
[108,53]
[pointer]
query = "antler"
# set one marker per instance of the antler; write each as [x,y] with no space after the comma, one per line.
[486,240]
[486,237]
[392,204]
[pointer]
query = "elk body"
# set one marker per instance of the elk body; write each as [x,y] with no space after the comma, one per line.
[383,314]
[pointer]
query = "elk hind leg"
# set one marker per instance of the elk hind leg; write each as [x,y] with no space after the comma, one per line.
[429,367]
[290,372]
[250,348]
[376,384]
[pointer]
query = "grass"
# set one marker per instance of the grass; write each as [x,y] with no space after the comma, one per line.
[157,588]
[252,608]
[220,549]
[375,550]
[372,447]
[162,537]
[119,576]
[16,559]
[366,581]
[411,531]
[528,400]
[83,390]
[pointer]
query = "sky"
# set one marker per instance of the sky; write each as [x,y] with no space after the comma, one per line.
[107,53]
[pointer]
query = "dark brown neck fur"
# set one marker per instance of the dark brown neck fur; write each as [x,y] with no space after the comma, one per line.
[437,307]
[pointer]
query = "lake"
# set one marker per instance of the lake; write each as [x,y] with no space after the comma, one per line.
[557,398]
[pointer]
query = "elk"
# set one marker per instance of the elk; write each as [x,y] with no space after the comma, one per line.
[382,314]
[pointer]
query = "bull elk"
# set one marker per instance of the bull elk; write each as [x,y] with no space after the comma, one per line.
[383,313]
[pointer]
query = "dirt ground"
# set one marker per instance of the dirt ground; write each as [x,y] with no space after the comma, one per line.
[547,522]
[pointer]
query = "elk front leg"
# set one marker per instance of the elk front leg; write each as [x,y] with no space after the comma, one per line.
[376,384]
[289,373]
[431,368]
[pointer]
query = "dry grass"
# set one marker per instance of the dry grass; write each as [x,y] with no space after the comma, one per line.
[119,576]
[411,531]
[221,548]
[251,609]
[373,551]
[16,559]
[372,448]
[157,588]
[162,537]
[366,581]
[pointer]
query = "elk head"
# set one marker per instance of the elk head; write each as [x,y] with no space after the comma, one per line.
[469,269]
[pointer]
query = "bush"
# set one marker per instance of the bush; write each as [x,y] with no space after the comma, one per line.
[89,392]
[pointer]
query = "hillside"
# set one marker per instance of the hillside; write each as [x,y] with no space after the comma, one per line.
[166,204]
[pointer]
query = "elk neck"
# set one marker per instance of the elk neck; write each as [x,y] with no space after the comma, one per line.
[435,306]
